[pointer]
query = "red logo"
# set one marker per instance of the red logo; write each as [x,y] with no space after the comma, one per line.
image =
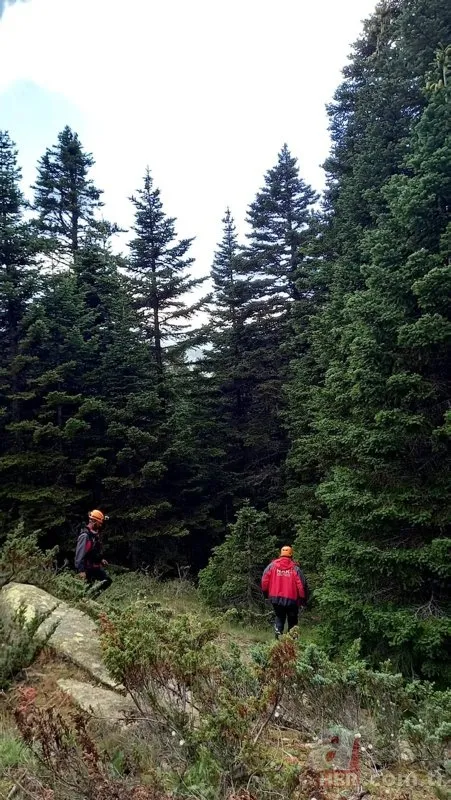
[337,758]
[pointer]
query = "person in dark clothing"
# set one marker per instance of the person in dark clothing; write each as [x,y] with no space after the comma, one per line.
[286,587]
[89,561]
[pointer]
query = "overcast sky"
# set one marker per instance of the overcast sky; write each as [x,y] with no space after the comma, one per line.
[205,92]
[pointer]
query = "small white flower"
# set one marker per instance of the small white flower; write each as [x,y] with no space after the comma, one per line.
[363,749]
[358,736]
[182,742]
[173,733]
[277,714]
[370,747]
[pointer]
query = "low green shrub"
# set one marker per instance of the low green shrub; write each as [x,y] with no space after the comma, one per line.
[208,708]
[13,752]
[232,576]
[66,586]
[19,644]
[379,705]
[211,710]
[428,727]
[23,561]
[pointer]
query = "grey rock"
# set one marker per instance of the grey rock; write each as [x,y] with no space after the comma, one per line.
[75,636]
[406,753]
[110,707]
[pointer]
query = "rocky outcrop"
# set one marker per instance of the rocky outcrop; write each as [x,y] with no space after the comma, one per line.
[105,705]
[75,635]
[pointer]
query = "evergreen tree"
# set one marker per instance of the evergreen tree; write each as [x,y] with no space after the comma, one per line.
[227,280]
[251,330]
[160,280]
[196,482]
[159,266]
[227,335]
[133,435]
[371,117]
[299,509]
[383,425]
[18,273]
[66,198]
[281,222]
[374,109]
[279,219]
[232,577]
[40,463]
[18,284]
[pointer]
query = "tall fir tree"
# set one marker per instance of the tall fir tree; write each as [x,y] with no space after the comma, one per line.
[373,112]
[43,448]
[280,220]
[160,269]
[66,198]
[18,285]
[232,576]
[371,117]
[223,360]
[382,422]
[160,282]
[299,510]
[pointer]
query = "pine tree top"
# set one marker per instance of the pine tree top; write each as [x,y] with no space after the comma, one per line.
[226,261]
[155,247]
[11,198]
[282,204]
[159,268]
[66,198]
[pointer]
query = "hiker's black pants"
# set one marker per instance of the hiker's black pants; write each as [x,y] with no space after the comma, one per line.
[97,574]
[285,613]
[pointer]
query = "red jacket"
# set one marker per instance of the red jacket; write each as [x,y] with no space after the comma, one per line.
[284,583]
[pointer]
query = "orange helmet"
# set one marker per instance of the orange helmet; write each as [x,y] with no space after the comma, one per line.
[97,516]
[287,551]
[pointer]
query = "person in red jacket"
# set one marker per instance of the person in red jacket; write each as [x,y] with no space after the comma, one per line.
[286,587]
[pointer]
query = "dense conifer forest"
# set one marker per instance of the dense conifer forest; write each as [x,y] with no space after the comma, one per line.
[306,379]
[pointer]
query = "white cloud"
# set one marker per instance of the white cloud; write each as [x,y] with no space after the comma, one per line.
[204,91]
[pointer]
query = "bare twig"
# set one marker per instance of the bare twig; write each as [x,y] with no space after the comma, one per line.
[265,722]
